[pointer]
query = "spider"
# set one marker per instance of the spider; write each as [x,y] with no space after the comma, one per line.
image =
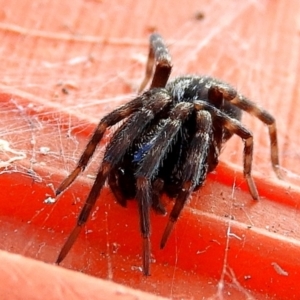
[170,139]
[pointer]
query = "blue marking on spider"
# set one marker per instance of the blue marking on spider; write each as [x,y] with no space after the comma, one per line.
[142,151]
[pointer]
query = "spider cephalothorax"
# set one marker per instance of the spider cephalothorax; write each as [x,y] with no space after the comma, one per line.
[169,143]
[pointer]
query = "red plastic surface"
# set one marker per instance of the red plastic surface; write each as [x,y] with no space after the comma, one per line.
[74,63]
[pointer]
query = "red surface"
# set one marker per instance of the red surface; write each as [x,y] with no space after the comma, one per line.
[225,244]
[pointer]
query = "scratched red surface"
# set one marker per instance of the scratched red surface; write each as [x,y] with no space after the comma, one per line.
[64,65]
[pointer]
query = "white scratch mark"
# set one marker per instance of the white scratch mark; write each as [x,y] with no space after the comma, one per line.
[279,270]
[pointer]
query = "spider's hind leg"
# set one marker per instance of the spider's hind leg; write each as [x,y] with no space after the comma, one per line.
[235,127]
[238,100]
[158,55]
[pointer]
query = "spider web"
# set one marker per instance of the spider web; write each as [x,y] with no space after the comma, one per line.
[68,72]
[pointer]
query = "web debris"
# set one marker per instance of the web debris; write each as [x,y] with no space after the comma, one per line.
[5,148]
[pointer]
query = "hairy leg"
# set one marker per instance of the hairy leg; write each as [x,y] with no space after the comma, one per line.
[158,55]
[252,108]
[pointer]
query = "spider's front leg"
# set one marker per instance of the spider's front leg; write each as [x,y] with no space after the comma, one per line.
[109,120]
[245,104]
[153,102]
[194,169]
[150,164]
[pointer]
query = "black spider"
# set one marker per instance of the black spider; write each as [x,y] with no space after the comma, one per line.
[170,141]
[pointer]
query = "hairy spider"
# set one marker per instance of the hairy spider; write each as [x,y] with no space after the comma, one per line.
[170,141]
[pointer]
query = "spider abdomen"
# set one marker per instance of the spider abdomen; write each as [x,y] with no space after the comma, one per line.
[191,88]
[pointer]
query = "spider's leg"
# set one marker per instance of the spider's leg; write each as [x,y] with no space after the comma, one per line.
[150,164]
[158,54]
[194,169]
[245,104]
[114,152]
[109,120]
[235,127]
